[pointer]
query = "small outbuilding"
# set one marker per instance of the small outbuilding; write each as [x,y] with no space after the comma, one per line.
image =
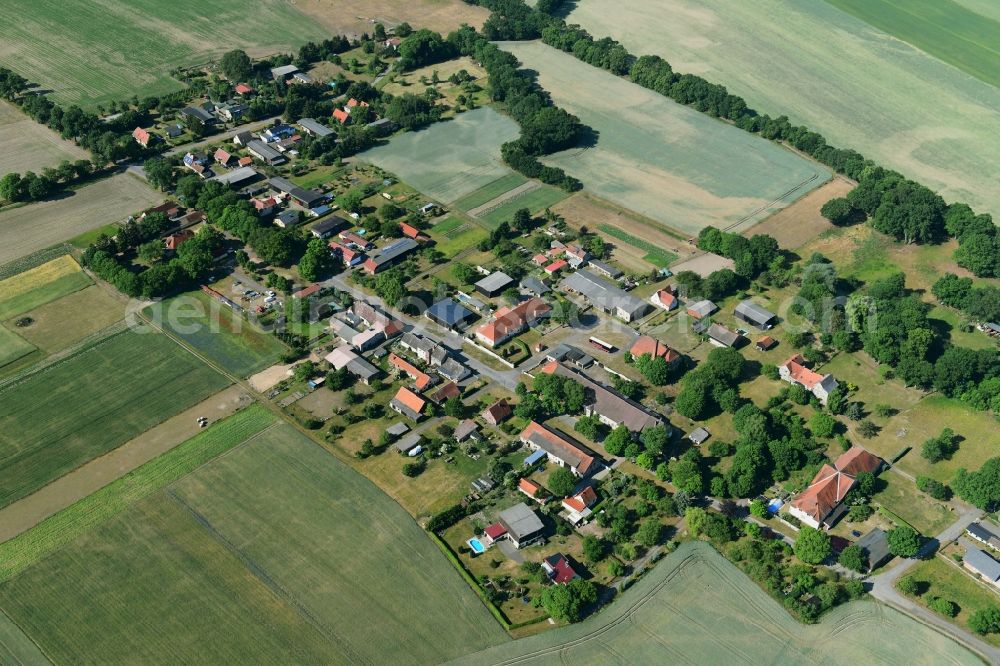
[494,284]
[755,315]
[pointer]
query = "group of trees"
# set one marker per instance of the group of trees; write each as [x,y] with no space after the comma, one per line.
[979,303]
[36,187]
[751,256]
[711,385]
[552,394]
[980,488]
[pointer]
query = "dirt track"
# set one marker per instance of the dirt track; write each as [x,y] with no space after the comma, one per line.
[96,474]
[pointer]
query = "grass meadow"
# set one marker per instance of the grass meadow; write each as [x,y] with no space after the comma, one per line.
[535,200]
[95,53]
[827,69]
[274,552]
[663,160]
[946,579]
[63,322]
[218,333]
[655,255]
[449,160]
[947,30]
[13,346]
[696,606]
[85,405]
[16,648]
[454,234]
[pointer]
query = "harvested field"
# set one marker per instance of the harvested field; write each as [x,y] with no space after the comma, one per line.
[158,440]
[270,547]
[60,323]
[29,146]
[354,17]
[801,222]
[265,379]
[84,63]
[827,69]
[696,607]
[663,160]
[944,29]
[452,159]
[217,332]
[90,403]
[40,225]
[585,210]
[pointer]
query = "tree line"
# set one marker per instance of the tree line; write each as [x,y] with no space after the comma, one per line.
[897,206]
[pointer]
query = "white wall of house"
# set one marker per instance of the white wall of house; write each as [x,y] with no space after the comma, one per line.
[804,517]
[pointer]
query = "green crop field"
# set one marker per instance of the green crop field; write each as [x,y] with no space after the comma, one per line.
[39,285]
[449,160]
[215,331]
[13,346]
[272,553]
[92,53]
[535,200]
[696,607]
[829,70]
[654,255]
[73,411]
[945,29]
[56,531]
[16,648]
[490,191]
[663,160]
[455,234]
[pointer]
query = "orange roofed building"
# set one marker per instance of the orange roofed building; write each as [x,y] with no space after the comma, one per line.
[560,449]
[420,379]
[646,344]
[794,371]
[821,504]
[408,403]
[509,322]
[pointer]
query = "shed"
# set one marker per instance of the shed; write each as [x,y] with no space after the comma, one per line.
[449,314]
[535,457]
[698,436]
[408,443]
[755,315]
[398,429]
[466,429]
[494,283]
[875,546]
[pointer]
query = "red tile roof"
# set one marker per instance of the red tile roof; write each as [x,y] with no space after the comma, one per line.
[409,230]
[243,89]
[222,156]
[646,344]
[495,531]
[510,320]
[582,500]
[665,298]
[421,379]
[141,136]
[410,399]
[766,342]
[346,253]
[832,483]
[308,291]
[801,373]
[540,259]
[351,103]
[245,161]
[528,487]
[341,116]
[556,266]
[499,411]
[558,446]
[174,240]
[446,392]
[562,572]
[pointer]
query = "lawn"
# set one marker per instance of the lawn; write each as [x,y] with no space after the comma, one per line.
[41,225]
[944,29]
[88,238]
[490,191]
[90,403]
[40,285]
[115,498]
[900,496]
[535,200]
[258,556]
[29,146]
[318,176]
[449,160]
[949,581]
[218,333]
[827,69]
[663,160]
[85,63]
[697,607]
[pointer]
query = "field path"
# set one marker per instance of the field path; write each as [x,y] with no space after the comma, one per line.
[493,204]
[63,492]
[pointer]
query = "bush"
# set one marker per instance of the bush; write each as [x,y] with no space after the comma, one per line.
[934,488]
[985,621]
[908,585]
[943,606]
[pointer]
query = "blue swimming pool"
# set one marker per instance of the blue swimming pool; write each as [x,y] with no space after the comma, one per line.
[476,545]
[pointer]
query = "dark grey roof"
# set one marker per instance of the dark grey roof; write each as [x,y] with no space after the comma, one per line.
[520,521]
[494,282]
[875,545]
[394,251]
[283,71]
[314,126]
[983,564]
[453,370]
[307,197]
[535,286]
[329,224]
[264,151]
[698,435]
[196,112]
[449,313]
[603,294]
[703,308]
[362,369]
[565,352]
[289,217]
[605,268]
[406,444]
[397,429]
[754,313]
[722,334]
